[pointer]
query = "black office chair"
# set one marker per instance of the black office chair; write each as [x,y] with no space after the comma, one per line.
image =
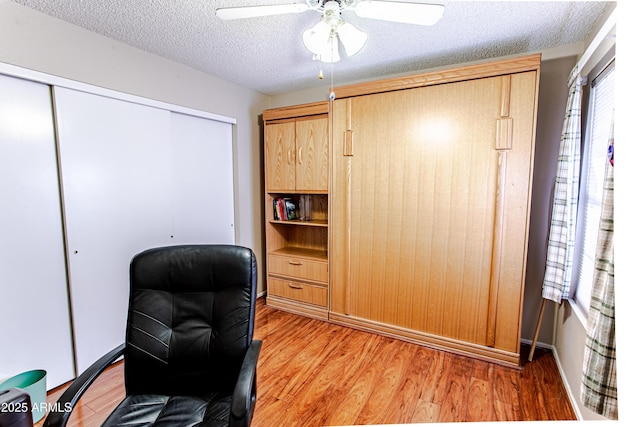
[15,408]
[189,355]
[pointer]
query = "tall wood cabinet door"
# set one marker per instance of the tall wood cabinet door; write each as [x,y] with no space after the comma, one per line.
[414,209]
[312,155]
[280,157]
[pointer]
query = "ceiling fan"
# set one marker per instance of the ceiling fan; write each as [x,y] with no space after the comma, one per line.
[322,38]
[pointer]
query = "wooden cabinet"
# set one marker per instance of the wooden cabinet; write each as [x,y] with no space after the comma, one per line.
[428,201]
[430,194]
[297,166]
[297,155]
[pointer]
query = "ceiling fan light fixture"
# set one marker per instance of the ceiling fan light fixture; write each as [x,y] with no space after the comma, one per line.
[352,38]
[330,51]
[315,38]
[403,12]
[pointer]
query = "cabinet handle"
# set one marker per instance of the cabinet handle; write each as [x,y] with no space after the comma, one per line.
[289,156]
[300,155]
[295,262]
[294,286]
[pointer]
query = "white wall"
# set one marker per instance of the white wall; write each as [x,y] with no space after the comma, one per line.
[35,41]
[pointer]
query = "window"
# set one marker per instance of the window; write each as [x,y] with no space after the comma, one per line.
[595,155]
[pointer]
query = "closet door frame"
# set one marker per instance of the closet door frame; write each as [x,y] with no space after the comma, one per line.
[226,236]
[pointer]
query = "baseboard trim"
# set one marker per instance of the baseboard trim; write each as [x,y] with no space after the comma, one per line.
[538,344]
[572,399]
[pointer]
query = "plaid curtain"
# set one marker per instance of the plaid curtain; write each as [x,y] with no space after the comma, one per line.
[559,264]
[599,384]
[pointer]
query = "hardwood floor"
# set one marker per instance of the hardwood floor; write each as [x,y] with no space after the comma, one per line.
[314,373]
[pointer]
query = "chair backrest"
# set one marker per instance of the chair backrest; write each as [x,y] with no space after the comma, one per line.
[190,319]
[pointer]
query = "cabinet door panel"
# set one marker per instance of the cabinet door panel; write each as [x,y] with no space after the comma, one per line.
[36,330]
[280,157]
[312,155]
[116,163]
[420,204]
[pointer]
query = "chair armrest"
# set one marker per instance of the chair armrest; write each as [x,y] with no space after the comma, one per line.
[243,399]
[61,411]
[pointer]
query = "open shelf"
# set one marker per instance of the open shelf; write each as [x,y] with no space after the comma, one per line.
[312,223]
[314,254]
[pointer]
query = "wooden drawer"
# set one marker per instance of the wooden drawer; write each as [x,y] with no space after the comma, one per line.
[303,292]
[301,268]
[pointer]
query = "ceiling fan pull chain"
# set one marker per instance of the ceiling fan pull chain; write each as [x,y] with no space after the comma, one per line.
[332,94]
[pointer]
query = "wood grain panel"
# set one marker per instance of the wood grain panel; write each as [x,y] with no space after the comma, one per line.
[301,110]
[279,157]
[340,191]
[298,291]
[474,71]
[421,207]
[519,175]
[312,155]
[481,352]
[297,267]
[430,201]
[297,307]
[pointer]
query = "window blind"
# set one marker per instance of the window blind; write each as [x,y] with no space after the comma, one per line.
[599,120]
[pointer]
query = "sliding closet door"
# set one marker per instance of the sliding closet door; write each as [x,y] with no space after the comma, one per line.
[34,312]
[116,172]
[202,159]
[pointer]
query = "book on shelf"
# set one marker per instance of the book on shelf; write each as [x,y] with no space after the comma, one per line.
[284,209]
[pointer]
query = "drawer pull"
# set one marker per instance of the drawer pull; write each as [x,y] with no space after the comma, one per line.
[295,286]
[295,262]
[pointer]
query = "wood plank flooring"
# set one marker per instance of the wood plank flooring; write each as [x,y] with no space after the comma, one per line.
[313,373]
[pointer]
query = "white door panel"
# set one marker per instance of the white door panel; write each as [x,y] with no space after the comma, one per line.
[116,173]
[34,311]
[202,180]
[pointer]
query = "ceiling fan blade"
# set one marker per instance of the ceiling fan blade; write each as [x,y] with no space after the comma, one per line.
[229,13]
[404,12]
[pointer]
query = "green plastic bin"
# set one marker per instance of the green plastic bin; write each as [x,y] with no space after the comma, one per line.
[35,383]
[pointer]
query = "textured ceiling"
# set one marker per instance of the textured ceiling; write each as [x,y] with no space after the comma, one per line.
[267,55]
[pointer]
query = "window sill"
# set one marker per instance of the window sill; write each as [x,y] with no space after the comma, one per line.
[579,312]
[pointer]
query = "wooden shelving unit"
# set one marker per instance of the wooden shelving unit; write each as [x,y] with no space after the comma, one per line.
[296,165]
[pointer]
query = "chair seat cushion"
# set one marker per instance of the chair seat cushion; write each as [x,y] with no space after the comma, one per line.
[146,410]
